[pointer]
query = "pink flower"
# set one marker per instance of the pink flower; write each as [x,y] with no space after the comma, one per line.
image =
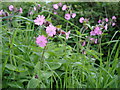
[73,15]
[39,5]
[60,4]
[113,17]
[92,33]
[20,10]
[39,20]
[92,39]
[41,41]
[106,19]
[11,7]
[99,21]
[81,20]
[51,30]
[67,34]
[55,12]
[95,41]
[97,31]
[106,26]
[84,43]
[1,12]
[55,6]
[113,24]
[35,8]
[64,7]
[67,16]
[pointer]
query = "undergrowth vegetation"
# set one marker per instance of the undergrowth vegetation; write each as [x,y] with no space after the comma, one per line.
[60,45]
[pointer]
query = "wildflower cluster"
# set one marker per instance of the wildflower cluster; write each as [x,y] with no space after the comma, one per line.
[57,6]
[96,31]
[50,29]
[12,8]
[99,28]
[34,9]
[67,16]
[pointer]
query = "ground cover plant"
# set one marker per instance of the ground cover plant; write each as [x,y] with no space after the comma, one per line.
[60,45]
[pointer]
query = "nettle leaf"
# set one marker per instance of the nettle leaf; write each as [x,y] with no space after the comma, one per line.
[33,83]
[54,65]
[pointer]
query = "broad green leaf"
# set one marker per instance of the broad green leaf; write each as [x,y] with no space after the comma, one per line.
[42,74]
[21,69]
[46,55]
[16,85]
[54,65]
[14,68]
[37,66]
[10,67]
[33,83]
[46,74]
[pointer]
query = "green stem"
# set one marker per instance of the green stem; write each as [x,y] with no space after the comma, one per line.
[42,58]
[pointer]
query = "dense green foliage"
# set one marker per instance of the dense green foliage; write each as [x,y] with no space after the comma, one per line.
[62,63]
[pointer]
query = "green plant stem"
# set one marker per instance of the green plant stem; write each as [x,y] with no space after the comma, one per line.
[42,58]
